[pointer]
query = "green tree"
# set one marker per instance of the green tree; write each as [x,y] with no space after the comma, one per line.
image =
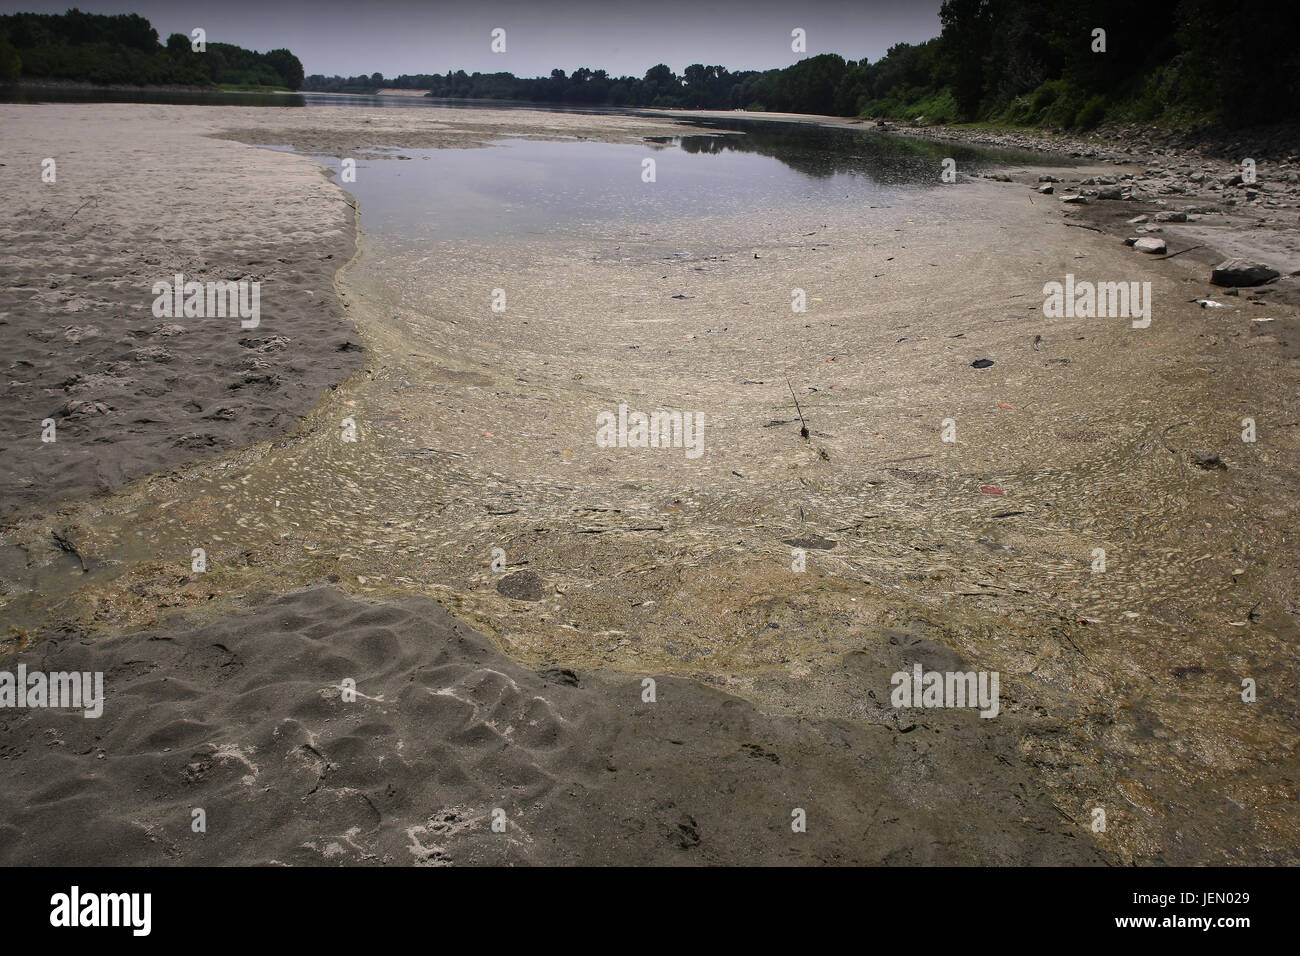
[287,66]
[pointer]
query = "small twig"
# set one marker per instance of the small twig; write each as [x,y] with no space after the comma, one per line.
[1079,225]
[803,432]
[94,199]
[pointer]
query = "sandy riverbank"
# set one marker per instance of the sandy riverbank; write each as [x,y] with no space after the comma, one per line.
[1120,689]
[139,196]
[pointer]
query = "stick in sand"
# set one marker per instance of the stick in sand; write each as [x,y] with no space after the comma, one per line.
[803,432]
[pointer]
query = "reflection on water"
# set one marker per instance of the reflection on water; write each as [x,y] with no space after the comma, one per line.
[824,151]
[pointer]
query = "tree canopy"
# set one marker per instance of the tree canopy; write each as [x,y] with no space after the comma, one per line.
[124,49]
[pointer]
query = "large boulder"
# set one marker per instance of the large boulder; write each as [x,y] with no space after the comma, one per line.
[1242,272]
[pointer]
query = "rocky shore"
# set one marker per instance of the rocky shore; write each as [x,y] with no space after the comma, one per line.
[1231,199]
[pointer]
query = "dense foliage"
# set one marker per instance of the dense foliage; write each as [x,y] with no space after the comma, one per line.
[124,49]
[1025,62]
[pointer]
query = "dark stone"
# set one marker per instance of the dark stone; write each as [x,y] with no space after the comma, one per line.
[523,586]
[1242,272]
[982,363]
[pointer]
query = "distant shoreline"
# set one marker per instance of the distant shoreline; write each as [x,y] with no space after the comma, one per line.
[83,85]
[56,84]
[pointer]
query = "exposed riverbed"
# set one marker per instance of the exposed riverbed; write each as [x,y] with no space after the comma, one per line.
[477,430]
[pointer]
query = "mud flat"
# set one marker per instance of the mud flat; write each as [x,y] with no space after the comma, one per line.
[139,195]
[1121,689]
[250,720]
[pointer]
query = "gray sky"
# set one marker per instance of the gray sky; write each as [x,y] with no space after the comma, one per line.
[349,37]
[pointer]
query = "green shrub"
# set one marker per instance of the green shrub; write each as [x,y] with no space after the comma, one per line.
[1091,114]
[1063,110]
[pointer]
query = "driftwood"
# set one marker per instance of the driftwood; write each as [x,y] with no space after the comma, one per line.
[1181,251]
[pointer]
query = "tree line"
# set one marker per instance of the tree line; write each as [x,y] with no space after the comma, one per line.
[1018,62]
[125,49]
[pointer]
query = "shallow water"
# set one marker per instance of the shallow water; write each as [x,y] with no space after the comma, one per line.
[525,186]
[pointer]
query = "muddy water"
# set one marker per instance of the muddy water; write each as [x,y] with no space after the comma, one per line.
[477,430]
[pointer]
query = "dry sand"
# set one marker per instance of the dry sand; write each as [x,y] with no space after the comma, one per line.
[1120,690]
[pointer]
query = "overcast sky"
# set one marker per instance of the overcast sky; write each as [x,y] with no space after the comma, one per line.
[349,37]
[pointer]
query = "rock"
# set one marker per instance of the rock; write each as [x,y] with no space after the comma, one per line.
[1075,200]
[1209,461]
[981,363]
[1047,189]
[1048,179]
[1138,220]
[522,586]
[1171,217]
[1151,245]
[1239,272]
[1110,192]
